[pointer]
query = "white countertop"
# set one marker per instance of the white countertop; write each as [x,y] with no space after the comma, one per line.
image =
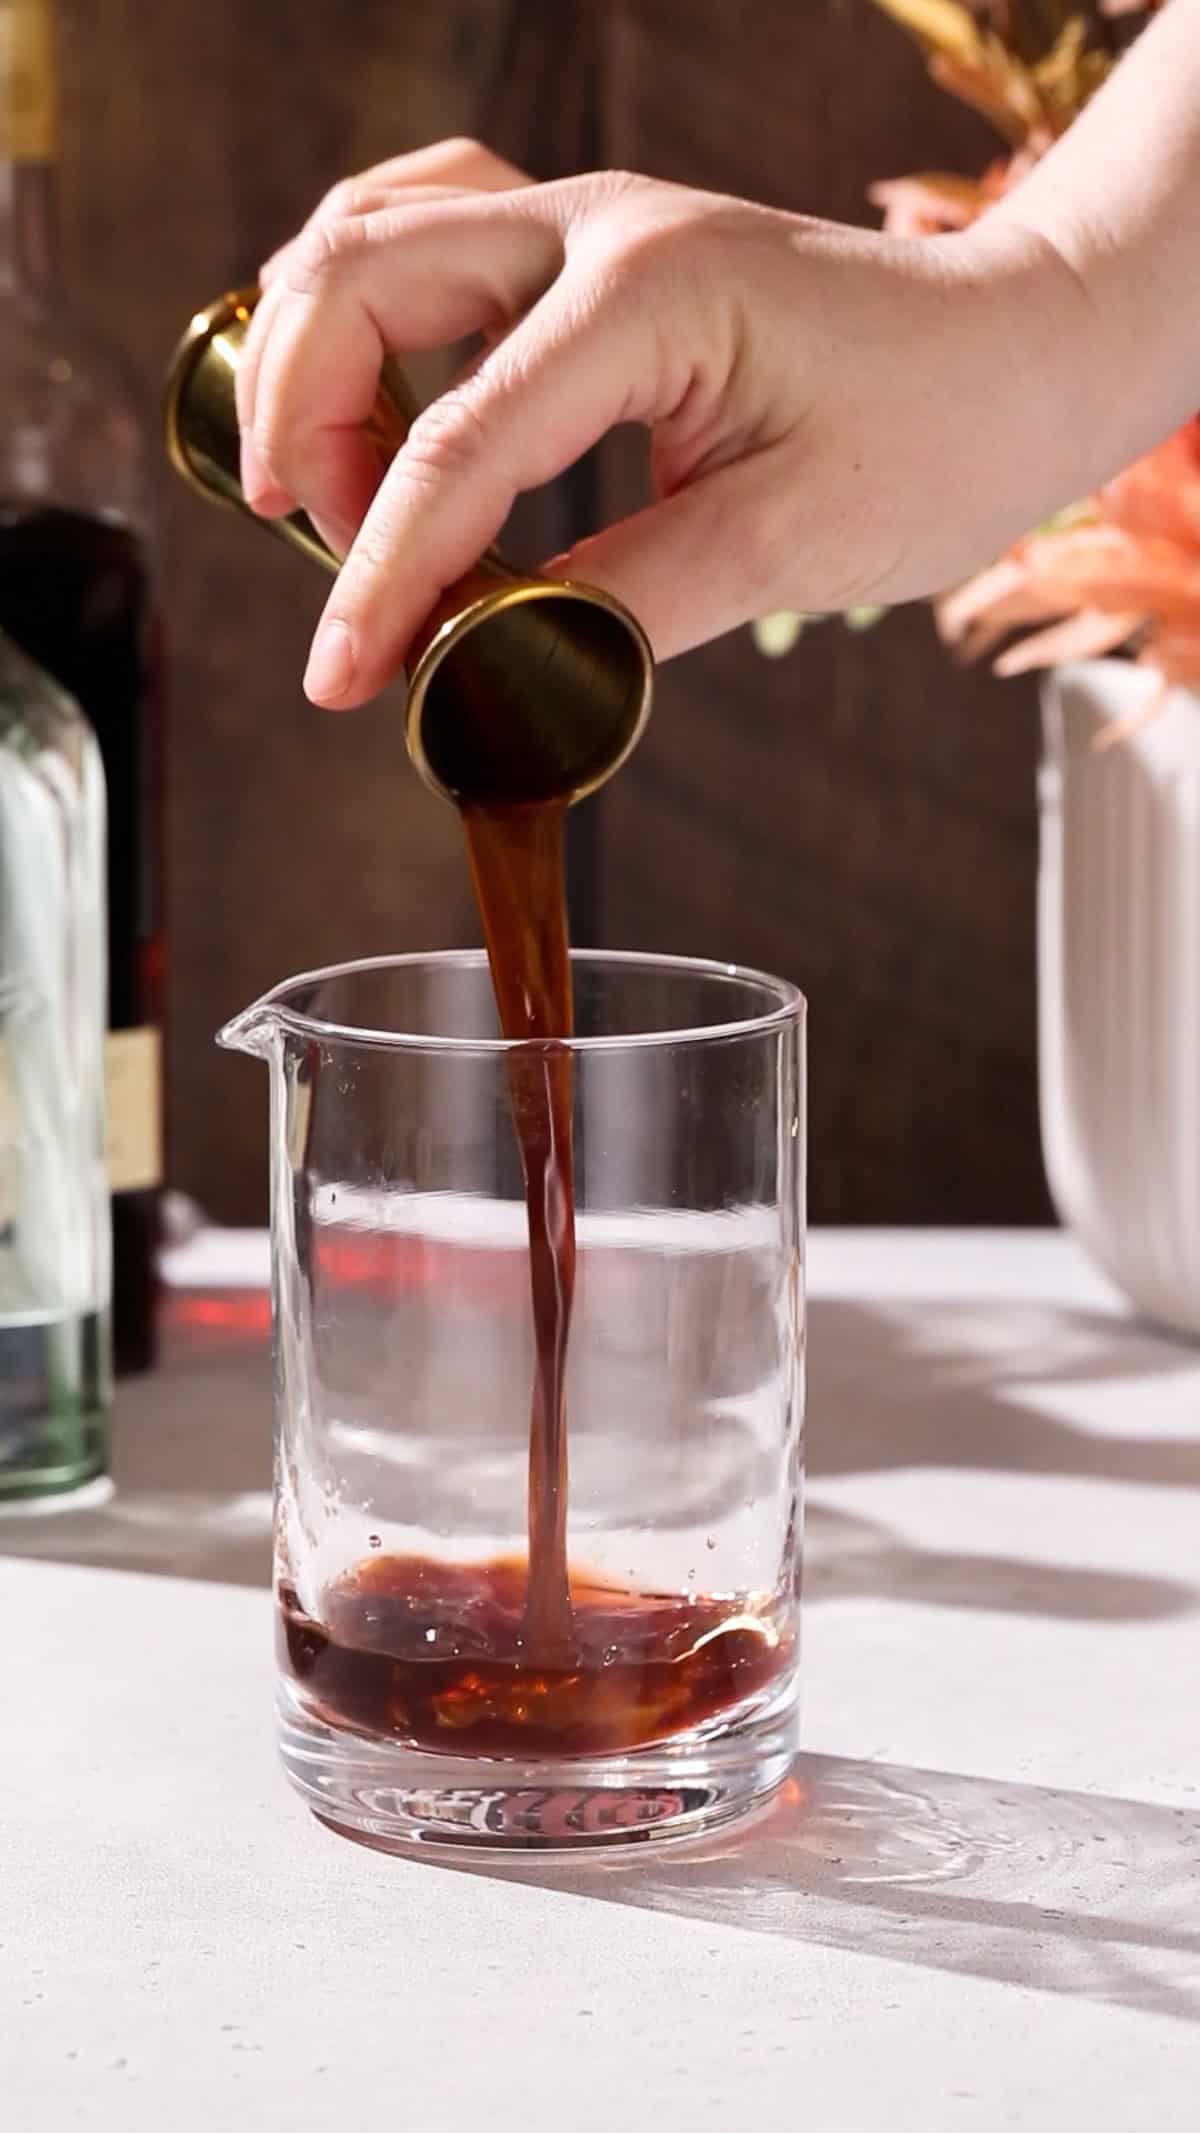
[978,1907]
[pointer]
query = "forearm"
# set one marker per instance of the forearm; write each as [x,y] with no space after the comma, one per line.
[1116,205]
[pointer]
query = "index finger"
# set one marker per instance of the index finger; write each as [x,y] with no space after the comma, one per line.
[404,278]
[457,165]
[568,373]
[452,165]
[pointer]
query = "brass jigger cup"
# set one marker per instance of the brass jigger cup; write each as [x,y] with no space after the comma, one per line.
[520,689]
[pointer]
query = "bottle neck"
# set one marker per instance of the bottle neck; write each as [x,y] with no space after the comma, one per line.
[28,147]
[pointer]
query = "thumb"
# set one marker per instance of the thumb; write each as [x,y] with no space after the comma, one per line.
[696,565]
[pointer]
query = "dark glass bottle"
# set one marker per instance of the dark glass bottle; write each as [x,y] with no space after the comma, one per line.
[77,594]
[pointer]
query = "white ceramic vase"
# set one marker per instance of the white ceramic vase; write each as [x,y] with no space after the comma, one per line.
[1119,981]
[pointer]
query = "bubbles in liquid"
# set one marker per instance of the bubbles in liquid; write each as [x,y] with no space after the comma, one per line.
[434,1651]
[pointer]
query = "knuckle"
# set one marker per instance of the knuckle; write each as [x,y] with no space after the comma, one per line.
[447,436]
[272,432]
[623,265]
[269,436]
[603,187]
[629,234]
[461,146]
[371,559]
[642,251]
[465,163]
[341,200]
[584,207]
[620,202]
[321,250]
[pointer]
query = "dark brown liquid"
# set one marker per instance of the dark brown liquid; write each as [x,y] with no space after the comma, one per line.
[437,1656]
[75,594]
[517,860]
[518,1658]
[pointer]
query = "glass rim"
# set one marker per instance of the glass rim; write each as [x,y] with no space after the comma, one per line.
[789,1008]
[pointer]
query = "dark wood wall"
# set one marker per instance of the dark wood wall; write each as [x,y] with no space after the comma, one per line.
[857,816]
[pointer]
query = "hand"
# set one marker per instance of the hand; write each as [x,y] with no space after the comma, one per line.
[836,418]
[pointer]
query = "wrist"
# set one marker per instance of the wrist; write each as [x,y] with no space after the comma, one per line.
[1064,388]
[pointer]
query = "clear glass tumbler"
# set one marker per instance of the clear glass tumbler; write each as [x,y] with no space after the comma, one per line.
[419,1700]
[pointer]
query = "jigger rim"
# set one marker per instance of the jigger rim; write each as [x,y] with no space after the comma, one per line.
[520,592]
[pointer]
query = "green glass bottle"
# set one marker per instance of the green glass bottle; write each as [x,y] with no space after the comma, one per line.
[55,1230]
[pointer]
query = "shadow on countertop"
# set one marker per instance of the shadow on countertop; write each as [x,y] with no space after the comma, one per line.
[1060,1892]
[1063,1892]
[909,1385]
[920,1384]
[923,1382]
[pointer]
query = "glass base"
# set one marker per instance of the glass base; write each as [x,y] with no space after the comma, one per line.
[80,1496]
[392,1797]
[54,1395]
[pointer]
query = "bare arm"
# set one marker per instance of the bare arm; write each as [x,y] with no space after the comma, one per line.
[1118,202]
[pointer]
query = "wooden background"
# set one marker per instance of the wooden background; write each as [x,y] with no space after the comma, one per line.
[859,816]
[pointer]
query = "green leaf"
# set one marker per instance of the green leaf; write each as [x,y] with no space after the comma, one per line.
[776,635]
[1072,515]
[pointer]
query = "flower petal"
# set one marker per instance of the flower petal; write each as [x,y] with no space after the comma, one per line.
[1176,654]
[941,25]
[1102,566]
[927,205]
[987,606]
[1160,494]
[1086,635]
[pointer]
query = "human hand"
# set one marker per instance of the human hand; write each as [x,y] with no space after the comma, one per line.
[836,418]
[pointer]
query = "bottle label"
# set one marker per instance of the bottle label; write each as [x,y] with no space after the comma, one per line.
[28,115]
[133,1099]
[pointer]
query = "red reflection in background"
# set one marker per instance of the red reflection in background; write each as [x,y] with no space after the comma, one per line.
[385,1265]
[392,1264]
[375,1262]
[243,1312]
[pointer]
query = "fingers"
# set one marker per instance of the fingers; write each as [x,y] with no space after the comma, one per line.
[402,278]
[562,378]
[447,166]
[434,171]
[360,197]
[261,491]
[463,164]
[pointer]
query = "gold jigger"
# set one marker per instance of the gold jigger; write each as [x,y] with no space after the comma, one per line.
[519,689]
